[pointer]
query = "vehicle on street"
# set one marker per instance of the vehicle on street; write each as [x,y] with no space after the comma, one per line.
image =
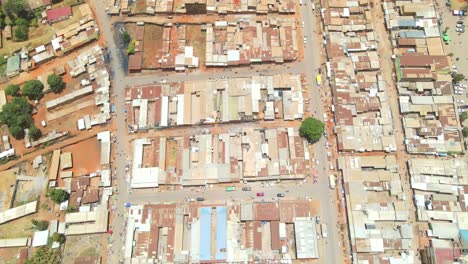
[280,195]
[327,145]
[463,86]
[331,166]
[192,200]
[325,118]
[305,40]
[323,227]
[460,101]
[460,22]
[317,162]
[230,188]
[317,220]
[303,24]
[260,194]
[200,199]
[246,189]
[461,30]
[460,25]
[332,181]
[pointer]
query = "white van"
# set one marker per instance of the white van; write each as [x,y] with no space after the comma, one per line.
[325,117]
[332,181]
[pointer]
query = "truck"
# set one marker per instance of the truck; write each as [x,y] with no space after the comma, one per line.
[324,230]
[230,189]
[332,181]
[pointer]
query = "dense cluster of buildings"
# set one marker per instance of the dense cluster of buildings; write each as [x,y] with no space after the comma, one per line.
[378,215]
[248,155]
[440,191]
[382,223]
[202,7]
[422,69]
[63,41]
[362,112]
[209,101]
[230,232]
[246,42]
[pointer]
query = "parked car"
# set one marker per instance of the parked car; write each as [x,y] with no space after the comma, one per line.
[317,220]
[460,101]
[461,30]
[260,194]
[246,189]
[280,195]
[460,25]
[200,199]
[303,24]
[460,22]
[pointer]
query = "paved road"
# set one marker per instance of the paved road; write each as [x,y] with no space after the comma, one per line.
[333,253]
[118,86]
[319,191]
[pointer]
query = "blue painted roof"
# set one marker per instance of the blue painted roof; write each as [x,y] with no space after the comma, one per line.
[205,233]
[221,222]
[464,237]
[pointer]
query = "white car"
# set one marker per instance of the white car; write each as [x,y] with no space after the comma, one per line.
[463,86]
[303,24]
[461,30]
[458,92]
[305,40]
[460,101]
[460,26]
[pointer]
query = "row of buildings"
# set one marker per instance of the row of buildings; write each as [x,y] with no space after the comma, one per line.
[276,97]
[363,120]
[152,7]
[247,155]
[383,226]
[230,232]
[247,42]
[424,83]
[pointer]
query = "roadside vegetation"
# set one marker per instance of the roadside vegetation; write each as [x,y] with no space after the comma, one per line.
[312,129]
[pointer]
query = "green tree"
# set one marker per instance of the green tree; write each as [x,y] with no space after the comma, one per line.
[131,47]
[16,131]
[16,8]
[465,131]
[21,33]
[58,195]
[12,90]
[21,22]
[34,132]
[56,83]
[16,114]
[312,129]
[40,225]
[463,116]
[56,237]
[126,38]
[33,89]
[45,255]
[458,77]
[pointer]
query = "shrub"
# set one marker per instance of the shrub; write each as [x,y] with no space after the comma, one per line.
[12,90]
[33,89]
[56,83]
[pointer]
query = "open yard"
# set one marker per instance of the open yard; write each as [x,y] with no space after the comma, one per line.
[42,34]
[458,4]
[83,246]
[86,156]
[152,46]
[197,39]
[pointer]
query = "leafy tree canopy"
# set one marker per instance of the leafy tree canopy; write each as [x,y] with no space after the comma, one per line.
[58,195]
[56,83]
[12,90]
[33,89]
[312,129]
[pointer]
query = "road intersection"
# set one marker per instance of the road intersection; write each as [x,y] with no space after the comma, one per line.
[332,252]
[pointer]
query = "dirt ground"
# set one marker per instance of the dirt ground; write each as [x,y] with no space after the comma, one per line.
[82,246]
[152,46]
[86,156]
[197,39]
[458,4]
[7,188]
[9,255]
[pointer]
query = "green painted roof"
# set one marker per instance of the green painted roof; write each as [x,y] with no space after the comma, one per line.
[13,63]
